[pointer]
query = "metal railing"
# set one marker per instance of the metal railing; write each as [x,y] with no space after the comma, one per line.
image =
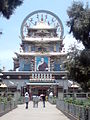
[78,112]
[6,107]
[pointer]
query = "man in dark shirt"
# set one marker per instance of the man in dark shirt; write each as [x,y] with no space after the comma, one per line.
[43,98]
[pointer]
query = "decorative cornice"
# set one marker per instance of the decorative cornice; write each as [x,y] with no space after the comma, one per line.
[41,54]
[41,40]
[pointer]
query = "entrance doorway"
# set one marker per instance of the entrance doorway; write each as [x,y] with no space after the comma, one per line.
[38,90]
[42,91]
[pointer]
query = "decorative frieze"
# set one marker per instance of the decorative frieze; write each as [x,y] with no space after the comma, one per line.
[42,76]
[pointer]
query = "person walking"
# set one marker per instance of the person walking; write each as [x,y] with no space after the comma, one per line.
[35,101]
[26,99]
[34,97]
[46,98]
[43,99]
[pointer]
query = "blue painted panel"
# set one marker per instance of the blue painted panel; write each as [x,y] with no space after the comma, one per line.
[56,66]
[27,67]
[21,64]
[26,47]
[57,47]
[51,48]
[32,48]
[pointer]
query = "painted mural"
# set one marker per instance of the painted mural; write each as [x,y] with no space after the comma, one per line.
[42,63]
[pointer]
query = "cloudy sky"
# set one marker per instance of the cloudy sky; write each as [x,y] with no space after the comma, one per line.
[10,41]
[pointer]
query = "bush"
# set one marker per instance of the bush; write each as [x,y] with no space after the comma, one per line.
[85,103]
[9,98]
[3,99]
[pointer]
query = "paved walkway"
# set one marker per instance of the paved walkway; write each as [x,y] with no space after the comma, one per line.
[50,112]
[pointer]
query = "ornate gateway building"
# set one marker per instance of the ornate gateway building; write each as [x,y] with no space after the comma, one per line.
[41,59]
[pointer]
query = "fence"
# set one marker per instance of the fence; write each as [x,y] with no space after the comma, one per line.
[77,112]
[77,95]
[6,107]
[52,100]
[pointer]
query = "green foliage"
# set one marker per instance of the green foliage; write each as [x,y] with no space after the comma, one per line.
[85,103]
[79,22]
[68,100]
[5,99]
[79,64]
[21,100]
[85,58]
[9,98]
[72,60]
[7,7]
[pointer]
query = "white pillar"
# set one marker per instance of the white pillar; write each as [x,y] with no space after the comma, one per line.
[48,63]
[35,65]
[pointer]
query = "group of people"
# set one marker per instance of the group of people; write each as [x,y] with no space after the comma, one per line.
[35,99]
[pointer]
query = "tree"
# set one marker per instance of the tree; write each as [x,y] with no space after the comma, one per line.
[7,7]
[79,67]
[72,60]
[79,23]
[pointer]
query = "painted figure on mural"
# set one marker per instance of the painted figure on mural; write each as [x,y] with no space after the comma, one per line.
[42,65]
